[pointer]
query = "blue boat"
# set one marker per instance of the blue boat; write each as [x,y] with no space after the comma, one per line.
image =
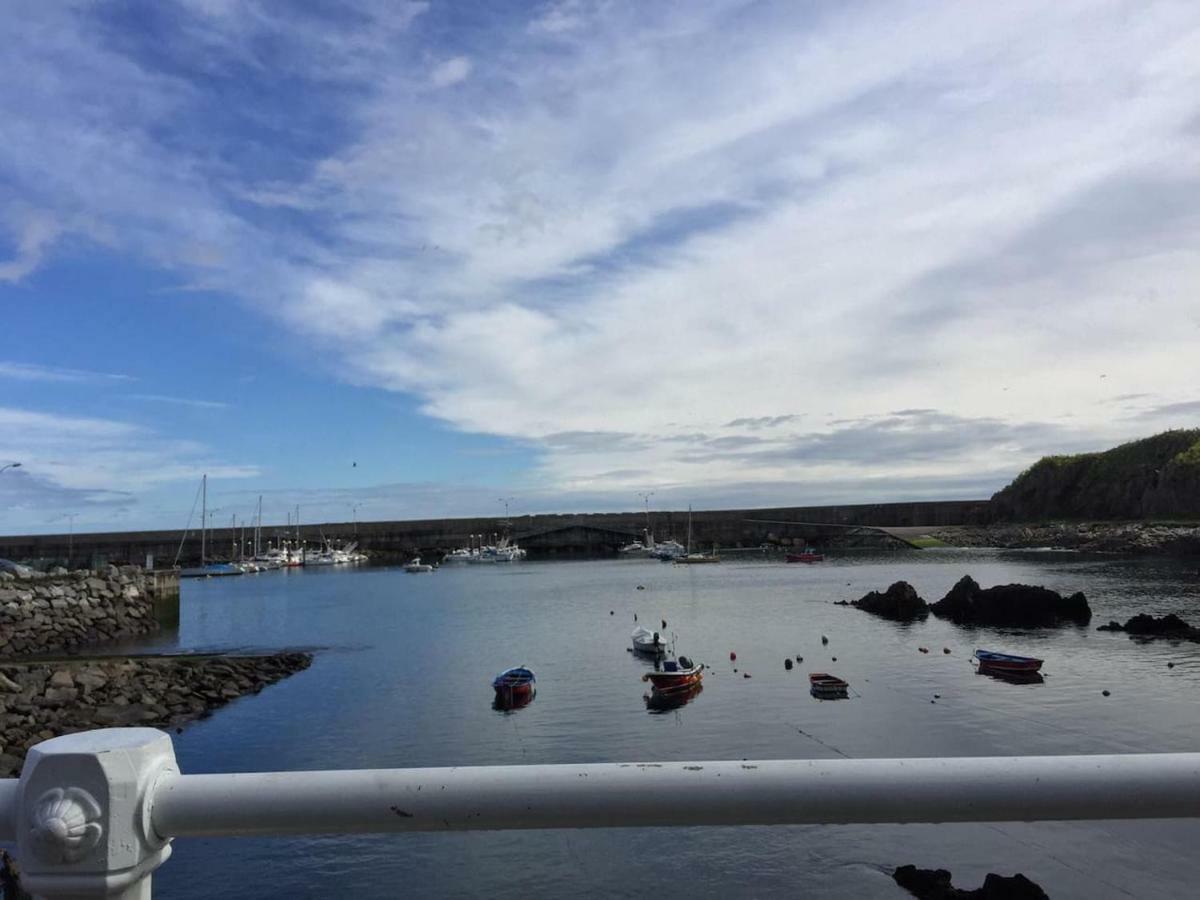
[989,660]
[514,687]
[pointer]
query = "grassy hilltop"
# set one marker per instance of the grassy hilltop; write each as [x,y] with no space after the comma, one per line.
[1155,477]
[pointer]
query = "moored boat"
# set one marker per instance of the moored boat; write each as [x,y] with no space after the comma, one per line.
[676,675]
[825,686]
[647,642]
[514,687]
[1009,663]
[417,567]
[807,555]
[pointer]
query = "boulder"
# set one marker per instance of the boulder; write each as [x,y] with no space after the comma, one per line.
[1018,605]
[935,884]
[1168,626]
[900,602]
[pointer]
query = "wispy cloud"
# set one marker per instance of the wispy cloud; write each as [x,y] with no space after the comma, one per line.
[628,224]
[450,72]
[180,401]
[33,232]
[68,461]
[20,371]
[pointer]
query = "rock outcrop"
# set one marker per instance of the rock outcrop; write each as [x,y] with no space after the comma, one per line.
[900,602]
[44,612]
[935,884]
[1018,605]
[1168,626]
[39,701]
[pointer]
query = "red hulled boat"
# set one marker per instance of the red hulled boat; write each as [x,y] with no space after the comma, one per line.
[675,675]
[808,555]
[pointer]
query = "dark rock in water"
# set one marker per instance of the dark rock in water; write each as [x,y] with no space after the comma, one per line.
[900,602]
[1020,605]
[935,884]
[1169,626]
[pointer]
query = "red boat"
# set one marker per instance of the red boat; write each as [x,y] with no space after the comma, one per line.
[675,675]
[514,687]
[807,556]
[1007,663]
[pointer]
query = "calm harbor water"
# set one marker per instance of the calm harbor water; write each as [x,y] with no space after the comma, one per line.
[402,679]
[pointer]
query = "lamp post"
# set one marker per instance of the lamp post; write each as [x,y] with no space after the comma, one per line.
[13,465]
[646,495]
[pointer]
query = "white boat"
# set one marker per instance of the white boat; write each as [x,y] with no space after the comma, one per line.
[206,569]
[692,559]
[417,567]
[668,550]
[647,642]
[502,552]
[461,555]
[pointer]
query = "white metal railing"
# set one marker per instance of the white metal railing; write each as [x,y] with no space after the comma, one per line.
[93,813]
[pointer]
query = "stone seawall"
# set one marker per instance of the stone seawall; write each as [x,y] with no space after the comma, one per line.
[46,612]
[41,700]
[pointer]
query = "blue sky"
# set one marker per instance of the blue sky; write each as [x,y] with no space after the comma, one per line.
[415,257]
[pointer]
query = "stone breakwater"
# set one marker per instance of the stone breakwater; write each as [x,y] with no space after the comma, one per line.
[44,612]
[41,700]
[1094,537]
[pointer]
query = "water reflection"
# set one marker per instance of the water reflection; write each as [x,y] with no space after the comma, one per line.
[1013,677]
[664,701]
[509,701]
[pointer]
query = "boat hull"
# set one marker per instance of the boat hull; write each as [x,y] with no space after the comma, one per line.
[1006,663]
[824,686]
[669,682]
[805,557]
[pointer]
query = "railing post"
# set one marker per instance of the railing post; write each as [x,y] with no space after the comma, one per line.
[83,818]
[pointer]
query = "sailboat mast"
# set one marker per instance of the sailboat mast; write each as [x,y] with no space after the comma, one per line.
[203,520]
[689,546]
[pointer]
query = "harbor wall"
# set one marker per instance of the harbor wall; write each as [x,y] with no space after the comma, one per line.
[561,534]
[42,612]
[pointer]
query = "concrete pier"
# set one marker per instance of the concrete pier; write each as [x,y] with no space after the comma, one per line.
[544,536]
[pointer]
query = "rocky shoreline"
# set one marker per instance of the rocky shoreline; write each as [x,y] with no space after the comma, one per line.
[1148,538]
[43,699]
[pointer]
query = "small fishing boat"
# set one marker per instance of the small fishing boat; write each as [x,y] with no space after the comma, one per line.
[647,642]
[676,675]
[807,555]
[990,661]
[514,687]
[826,686]
[416,567]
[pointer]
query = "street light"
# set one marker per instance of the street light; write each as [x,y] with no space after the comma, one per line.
[646,495]
[10,466]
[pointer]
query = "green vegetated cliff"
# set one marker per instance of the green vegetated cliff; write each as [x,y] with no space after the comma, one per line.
[1156,477]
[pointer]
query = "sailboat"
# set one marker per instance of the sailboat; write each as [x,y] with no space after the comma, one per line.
[693,559]
[207,569]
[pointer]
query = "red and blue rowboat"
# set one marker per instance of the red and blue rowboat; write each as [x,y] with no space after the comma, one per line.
[514,686]
[990,661]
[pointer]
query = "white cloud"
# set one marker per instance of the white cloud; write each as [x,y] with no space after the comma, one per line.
[34,232]
[20,371]
[450,72]
[679,219]
[87,460]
